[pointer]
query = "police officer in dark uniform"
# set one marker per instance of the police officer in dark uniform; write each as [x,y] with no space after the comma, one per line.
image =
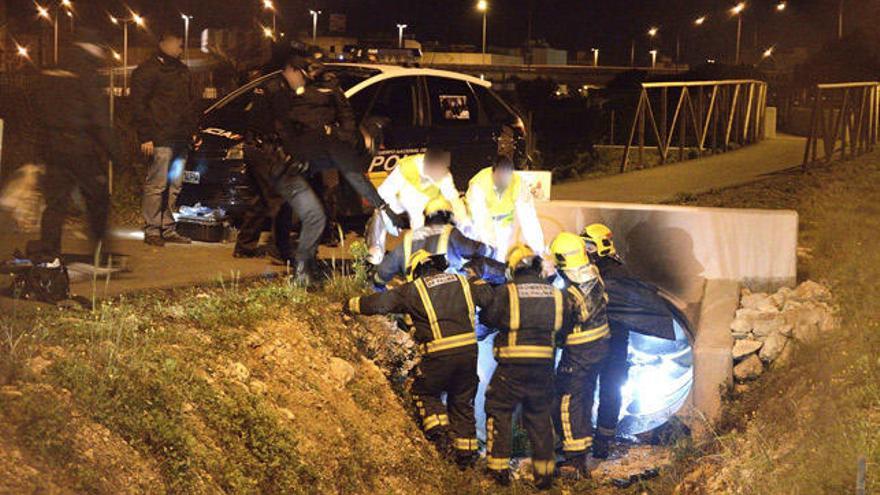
[437,236]
[303,123]
[76,142]
[442,309]
[600,247]
[528,313]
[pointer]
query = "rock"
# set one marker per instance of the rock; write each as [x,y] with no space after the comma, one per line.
[758,301]
[806,321]
[257,387]
[341,371]
[780,296]
[773,347]
[287,413]
[742,348]
[10,392]
[785,356]
[766,328]
[749,369]
[740,326]
[811,291]
[741,388]
[239,371]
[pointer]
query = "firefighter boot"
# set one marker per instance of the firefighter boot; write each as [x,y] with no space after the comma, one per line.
[501,476]
[465,460]
[575,468]
[601,446]
[439,436]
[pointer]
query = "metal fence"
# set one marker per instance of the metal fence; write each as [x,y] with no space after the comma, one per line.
[707,115]
[845,120]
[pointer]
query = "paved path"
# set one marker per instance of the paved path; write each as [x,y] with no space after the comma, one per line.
[664,183]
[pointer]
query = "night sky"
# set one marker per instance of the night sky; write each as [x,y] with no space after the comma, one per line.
[569,24]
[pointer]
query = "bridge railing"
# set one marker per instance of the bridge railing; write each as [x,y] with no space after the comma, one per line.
[706,115]
[845,119]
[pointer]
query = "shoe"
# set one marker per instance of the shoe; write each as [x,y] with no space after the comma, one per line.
[601,447]
[574,468]
[439,436]
[175,238]
[302,274]
[154,240]
[501,477]
[465,460]
[544,482]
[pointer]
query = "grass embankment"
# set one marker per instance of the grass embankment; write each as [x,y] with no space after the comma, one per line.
[802,428]
[225,389]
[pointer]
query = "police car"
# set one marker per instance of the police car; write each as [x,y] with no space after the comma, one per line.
[400,110]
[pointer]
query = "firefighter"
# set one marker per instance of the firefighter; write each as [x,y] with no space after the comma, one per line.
[527,312]
[583,351]
[437,236]
[496,197]
[305,124]
[416,180]
[613,374]
[442,308]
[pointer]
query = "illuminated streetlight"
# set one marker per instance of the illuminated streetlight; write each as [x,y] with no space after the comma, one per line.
[595,56]
[737,10]
[22,51]
[314,14]
[116,55]
[483,6]
[268,33]
[768,52]
[781,6]
[400,28]
[270,6]
[653,58]
[653,31]
[137,20]
[700,20]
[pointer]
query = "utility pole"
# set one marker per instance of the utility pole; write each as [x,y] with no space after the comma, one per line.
[632,53]
[840,20]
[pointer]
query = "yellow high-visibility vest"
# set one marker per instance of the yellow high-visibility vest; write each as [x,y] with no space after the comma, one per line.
[503,207]
[409,166]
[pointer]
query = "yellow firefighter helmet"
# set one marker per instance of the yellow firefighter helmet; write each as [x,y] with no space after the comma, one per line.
[437,205]
[599,240]
[519,256]
[418,259]
[570,251]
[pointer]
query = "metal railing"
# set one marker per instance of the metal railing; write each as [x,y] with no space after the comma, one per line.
[845,118]
[710,115]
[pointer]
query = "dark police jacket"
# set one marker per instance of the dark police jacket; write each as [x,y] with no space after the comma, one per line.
[163,101]
[528,313]
[436,239]
[304,123]
[441,306]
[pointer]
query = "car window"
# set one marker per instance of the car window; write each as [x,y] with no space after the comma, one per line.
[361,100]
[395,101]
[497,112]
[452,102]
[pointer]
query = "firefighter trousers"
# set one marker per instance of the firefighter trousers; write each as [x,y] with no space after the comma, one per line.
[575,389]
[612,377]
[455,374]
[529,385]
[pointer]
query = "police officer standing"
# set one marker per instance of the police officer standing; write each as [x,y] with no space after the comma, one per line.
[583,352]
[528,312]
[304,123]
[442,309]
[437,236]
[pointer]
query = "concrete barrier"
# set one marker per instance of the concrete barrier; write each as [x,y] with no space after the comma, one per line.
[701,256]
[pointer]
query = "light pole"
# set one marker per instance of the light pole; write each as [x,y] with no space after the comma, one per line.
[186,21]
[400,28]
[653,58]
[270,6]
[43,13]
[315,14]
[137,20]
[595,57]
[483,6]
[840,19]
[737,11]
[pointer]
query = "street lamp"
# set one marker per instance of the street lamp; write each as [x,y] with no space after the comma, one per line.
[653,58]
[22,51]
[137,20]
[270,6]
[483,6]
[315,14]
[737,10]
[595,57]
[768,52]
[400,28]
[781,6]
[268,33]
[699,21]
[43,13]
[186,21]
[652,32]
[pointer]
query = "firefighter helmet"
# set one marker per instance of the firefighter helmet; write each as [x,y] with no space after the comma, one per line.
[422,259]
[599,240]
[569,251]
[437,205]
[519,256]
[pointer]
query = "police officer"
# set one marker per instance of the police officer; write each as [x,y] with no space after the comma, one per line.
[496,198]
[437,236]
[78,138]
[305,124]
[527,311]
[442,308]
[583,351]
[613,374]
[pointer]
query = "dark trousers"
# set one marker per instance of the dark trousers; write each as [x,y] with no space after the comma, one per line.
[575,388]
[456,375]
[328,152]
[71,164]
[529,385]
[267,205]
[306,205]
[612,376]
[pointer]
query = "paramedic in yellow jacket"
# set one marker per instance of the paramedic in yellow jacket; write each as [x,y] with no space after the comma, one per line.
[416,180]
[496,198]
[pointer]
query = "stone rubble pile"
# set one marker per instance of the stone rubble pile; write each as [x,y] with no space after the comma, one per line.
[766,326]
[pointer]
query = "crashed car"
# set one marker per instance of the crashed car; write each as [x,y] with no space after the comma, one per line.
[399,111]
